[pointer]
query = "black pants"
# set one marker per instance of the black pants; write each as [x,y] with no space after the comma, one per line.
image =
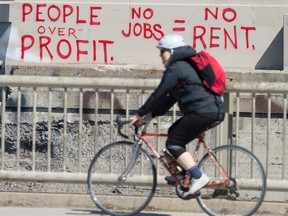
[188,128]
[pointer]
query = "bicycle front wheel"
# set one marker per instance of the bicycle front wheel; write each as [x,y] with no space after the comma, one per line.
[247,189]
[122,179]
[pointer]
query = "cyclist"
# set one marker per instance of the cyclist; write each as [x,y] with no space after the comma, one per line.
[201,108]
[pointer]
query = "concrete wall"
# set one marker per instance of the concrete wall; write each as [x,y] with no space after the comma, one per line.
[241,34]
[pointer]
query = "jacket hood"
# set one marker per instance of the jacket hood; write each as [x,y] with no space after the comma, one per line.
[182,53]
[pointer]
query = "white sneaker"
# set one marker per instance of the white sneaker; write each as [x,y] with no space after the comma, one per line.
[197,184]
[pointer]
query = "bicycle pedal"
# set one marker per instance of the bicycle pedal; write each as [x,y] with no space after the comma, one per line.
[170,180]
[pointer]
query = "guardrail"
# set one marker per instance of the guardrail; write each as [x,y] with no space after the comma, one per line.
[52,108]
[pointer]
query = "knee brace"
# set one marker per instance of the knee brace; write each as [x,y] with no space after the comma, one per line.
[175,150]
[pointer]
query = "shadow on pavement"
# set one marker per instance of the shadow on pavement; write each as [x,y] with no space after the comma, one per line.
[82,212]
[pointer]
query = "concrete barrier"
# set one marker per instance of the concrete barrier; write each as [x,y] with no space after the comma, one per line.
[242,34]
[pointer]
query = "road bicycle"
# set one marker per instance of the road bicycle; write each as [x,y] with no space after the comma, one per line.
[126,169]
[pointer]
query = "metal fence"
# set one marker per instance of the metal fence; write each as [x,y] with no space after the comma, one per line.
[52,126]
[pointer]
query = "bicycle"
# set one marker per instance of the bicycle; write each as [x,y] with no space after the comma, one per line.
[237,185]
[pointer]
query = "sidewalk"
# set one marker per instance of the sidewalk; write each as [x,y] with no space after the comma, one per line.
[22,211]
[47,204]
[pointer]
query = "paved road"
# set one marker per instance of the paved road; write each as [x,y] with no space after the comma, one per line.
[24,211]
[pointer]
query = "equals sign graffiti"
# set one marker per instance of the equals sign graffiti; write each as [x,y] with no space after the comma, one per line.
[179,29]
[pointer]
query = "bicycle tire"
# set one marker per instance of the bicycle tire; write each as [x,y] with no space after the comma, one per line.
[113,194]
[246,171]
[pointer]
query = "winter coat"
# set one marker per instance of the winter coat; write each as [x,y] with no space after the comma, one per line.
[180,83]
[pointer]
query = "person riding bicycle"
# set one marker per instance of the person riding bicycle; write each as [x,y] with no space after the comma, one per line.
[200,107]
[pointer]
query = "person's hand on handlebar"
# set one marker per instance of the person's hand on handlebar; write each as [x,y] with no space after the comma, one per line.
[136,119]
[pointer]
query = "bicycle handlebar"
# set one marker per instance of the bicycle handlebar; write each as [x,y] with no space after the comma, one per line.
[120,123]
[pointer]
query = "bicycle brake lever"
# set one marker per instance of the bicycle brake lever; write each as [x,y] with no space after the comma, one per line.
[117,121]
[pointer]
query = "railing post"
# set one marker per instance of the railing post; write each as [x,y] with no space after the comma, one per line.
[227,124]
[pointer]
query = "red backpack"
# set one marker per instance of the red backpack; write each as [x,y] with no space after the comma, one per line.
[210,72]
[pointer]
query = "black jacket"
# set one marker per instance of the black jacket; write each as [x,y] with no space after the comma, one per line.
[180,83]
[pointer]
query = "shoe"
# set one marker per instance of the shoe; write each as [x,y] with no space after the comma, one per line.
[197,184]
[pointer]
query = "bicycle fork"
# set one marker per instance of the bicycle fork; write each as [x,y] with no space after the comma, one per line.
[131,162]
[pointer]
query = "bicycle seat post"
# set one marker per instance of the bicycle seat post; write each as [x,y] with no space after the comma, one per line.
[199,142]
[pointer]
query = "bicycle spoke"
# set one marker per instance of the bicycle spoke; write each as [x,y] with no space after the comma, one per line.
[243,192]
[127,177]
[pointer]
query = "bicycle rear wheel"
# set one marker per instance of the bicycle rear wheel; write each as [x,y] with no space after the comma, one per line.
[247,191]
[122,179]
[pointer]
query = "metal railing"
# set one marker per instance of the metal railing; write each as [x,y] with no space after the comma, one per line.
[74,117]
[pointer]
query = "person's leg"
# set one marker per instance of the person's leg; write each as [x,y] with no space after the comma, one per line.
[186,160]
[180,134]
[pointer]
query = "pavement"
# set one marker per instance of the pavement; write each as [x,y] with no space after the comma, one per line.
[47,204]
[25,211]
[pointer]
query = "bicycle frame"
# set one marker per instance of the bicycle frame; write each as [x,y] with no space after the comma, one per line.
[185,184]
[142,137]
[217,164]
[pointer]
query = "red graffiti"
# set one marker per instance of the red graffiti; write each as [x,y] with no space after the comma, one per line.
[55,13]
[144,29]
[215,36]
[219,30]
[59,31]
[64,48]
[226,13]
[67,45]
